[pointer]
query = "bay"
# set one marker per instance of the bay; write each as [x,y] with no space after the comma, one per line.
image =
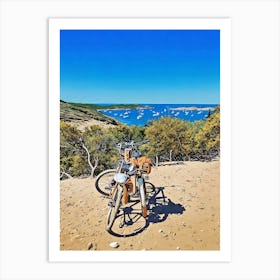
[148,112]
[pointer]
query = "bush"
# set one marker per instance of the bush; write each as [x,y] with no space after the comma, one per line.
[92,151]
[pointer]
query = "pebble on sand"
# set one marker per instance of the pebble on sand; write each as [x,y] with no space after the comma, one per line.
[89,246]
[114,244]
[160,230]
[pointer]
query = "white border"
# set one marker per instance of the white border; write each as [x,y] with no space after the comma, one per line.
[224,25]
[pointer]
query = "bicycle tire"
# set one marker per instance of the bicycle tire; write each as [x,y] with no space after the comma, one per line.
[107,176]
[113,209]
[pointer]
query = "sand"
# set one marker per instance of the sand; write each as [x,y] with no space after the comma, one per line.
[184,212]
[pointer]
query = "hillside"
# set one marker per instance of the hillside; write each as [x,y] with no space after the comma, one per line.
[82,114]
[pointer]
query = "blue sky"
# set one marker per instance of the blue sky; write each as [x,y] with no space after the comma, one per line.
[140,66]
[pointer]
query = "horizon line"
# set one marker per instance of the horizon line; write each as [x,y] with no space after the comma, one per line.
[136,103]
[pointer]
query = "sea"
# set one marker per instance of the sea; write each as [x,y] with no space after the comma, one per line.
[148,112]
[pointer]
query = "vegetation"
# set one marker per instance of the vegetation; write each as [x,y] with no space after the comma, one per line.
[74,112]
[85,112]
[89,152]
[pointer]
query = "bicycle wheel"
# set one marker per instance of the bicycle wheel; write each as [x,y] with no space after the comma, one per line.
[114,208]
[129,223]
[104,180]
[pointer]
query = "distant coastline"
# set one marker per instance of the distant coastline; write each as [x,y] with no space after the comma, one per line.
[193,108]
[122,107]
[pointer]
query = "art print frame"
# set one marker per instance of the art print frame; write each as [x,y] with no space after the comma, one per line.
[55,25]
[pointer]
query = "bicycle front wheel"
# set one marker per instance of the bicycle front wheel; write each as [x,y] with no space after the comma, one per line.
[114,208]
[103,181]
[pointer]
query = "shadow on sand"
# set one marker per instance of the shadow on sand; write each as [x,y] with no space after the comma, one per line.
[130,222]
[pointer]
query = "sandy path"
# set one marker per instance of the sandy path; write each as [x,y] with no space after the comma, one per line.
[184,212]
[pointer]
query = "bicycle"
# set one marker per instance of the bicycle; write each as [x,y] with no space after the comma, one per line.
[105,180]
[118,182]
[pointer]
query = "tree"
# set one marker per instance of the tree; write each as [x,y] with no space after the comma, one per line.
[137,133]
[81,152]
[99,145]
[71,161]
[192,128]
[120,133]
[207,139]
[166,138]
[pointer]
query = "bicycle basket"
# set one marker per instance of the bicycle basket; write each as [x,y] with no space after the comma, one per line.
[134,161]
[145,164]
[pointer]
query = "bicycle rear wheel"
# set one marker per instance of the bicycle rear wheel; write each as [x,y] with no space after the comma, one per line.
[114,208]
[104,180]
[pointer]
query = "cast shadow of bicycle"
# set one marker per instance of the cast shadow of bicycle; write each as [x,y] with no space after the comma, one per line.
[129,222]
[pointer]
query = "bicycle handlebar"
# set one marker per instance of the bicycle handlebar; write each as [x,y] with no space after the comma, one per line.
[131,144]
